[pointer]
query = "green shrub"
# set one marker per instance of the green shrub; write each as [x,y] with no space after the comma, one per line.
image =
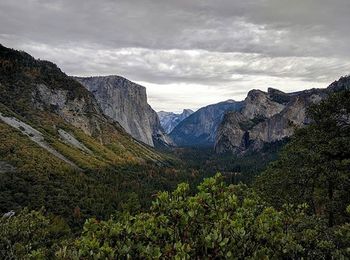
[218,222]
[31,234]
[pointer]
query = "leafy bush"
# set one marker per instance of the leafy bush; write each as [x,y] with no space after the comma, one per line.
[30,234]
[218,222]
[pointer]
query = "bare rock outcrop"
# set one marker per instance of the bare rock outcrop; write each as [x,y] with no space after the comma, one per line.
[126,103]
[200,128]
[170,120]
[266,117]
[81,112]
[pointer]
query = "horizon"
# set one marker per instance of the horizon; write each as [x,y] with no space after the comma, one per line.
[187,54]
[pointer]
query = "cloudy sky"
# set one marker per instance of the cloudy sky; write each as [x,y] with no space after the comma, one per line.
[188,53]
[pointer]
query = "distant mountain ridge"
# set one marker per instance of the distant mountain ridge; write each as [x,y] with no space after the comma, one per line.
[126,103]
[268,117]
[263,117]
[199,129]
[169,120]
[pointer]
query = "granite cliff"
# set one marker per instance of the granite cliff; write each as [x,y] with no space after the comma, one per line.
[268,117]
[126,103]
[170,120]
[199,129]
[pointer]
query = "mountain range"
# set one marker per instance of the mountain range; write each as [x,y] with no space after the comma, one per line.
[61,116]
[79,165]
[60,150]
[169,120]
[92,104]
[199,129]
[263,117]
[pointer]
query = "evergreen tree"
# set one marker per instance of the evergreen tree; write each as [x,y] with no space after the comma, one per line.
[315,166]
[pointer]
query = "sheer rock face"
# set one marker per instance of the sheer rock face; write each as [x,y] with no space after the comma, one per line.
[170,120]
[258,103]
[126,103]
[231,134]
[265,118]
[199,129]
[82,112]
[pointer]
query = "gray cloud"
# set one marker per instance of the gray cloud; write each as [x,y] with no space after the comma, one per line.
[228,46]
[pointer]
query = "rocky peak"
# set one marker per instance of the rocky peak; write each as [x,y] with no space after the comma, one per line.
[268,117]
[341,84]
[126,103]
[186,113]
[278,96]
[260,104]
[199,129]
[170,120]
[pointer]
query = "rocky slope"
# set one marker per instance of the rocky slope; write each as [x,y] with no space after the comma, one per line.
[35,136]
[39,95]
[199,129]
[126,103]
[268,117]
[59,151]
[170,120]
[28,85]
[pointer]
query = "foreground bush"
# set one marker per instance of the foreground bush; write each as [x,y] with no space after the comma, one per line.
[31,235]
[218,222]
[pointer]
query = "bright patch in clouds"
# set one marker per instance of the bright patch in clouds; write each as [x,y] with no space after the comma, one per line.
[194,96]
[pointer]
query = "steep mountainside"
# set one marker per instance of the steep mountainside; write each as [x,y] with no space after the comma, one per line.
[126,103]
[39,93]
[199,129]
[268,117]
[57,148]
[170,120]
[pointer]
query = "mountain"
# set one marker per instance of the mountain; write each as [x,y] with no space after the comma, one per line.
[59,150]
[170,120]
[37,97]
[268,117]
[199,129]
[126,103]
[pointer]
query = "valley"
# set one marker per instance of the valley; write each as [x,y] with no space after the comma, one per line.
[90,161]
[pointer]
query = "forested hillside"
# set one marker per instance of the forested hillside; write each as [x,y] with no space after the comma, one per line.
[58,151]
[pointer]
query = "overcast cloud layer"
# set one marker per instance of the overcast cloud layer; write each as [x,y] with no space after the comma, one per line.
[188,53]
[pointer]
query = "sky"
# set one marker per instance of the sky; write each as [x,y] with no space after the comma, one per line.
[187,53]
